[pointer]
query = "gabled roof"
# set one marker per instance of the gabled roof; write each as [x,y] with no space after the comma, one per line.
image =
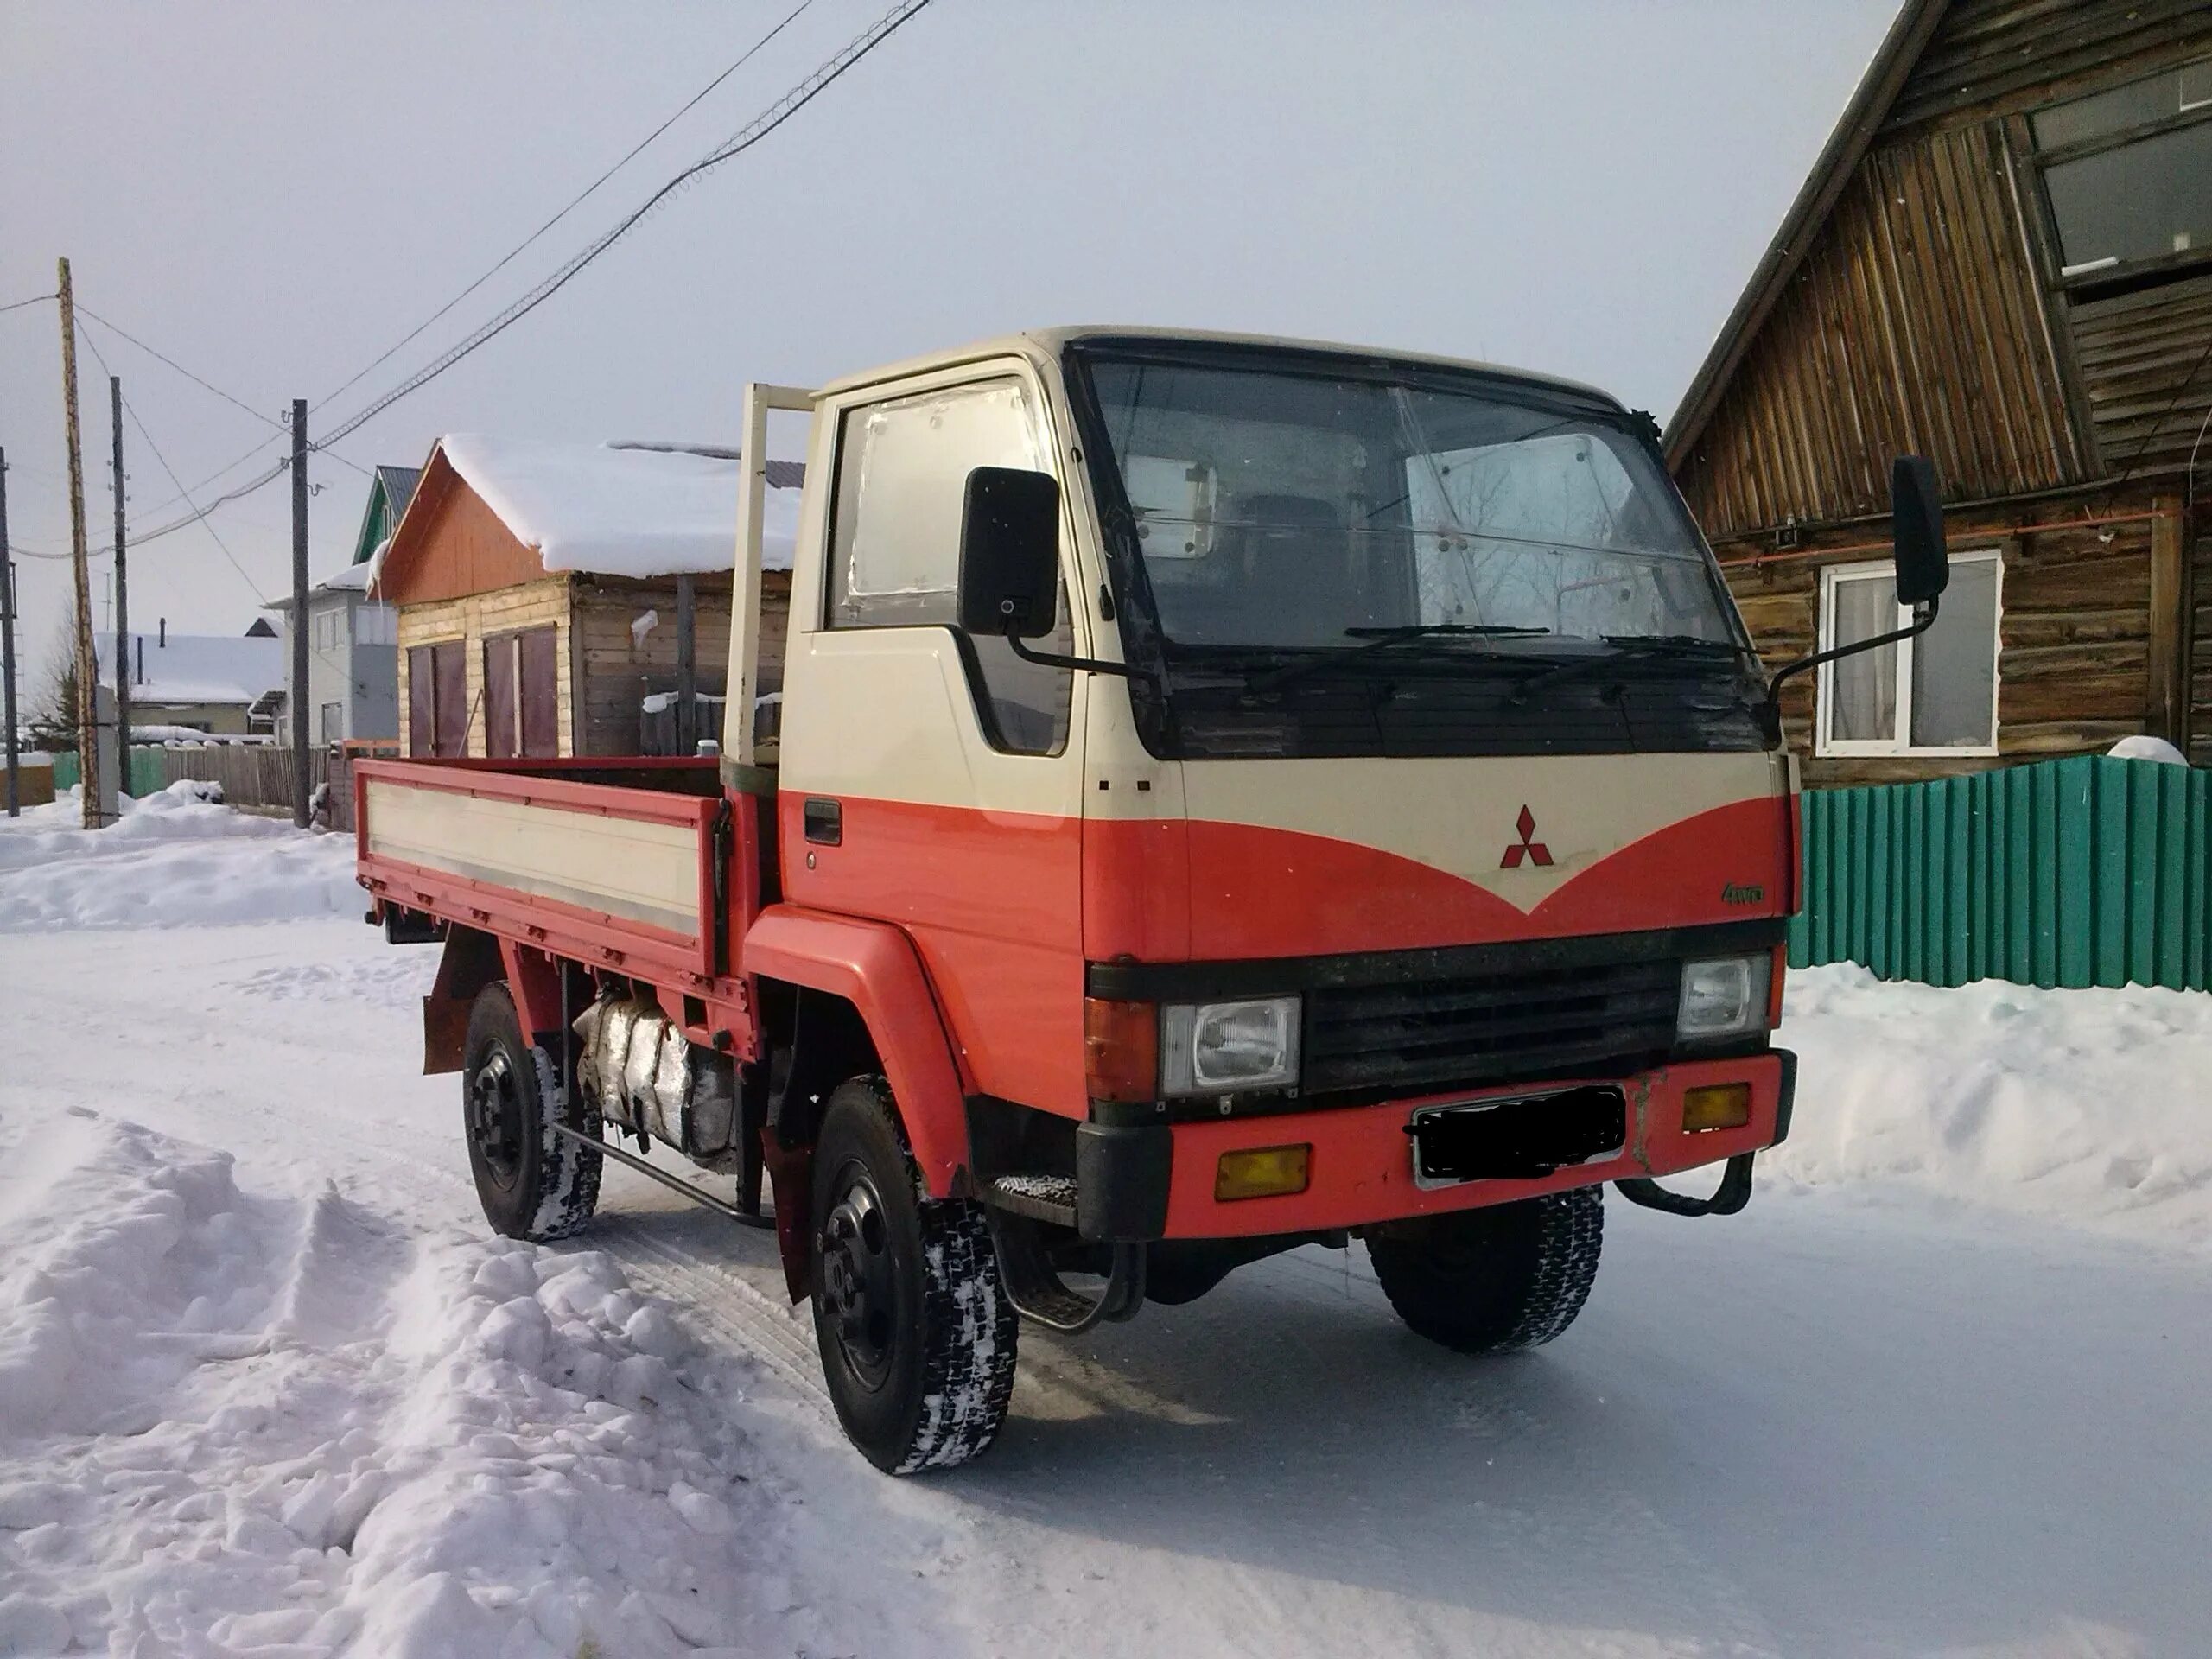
[612,510]
[391,488]
[198,667]
[1839,157]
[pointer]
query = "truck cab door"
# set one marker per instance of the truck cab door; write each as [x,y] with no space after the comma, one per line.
[927,778]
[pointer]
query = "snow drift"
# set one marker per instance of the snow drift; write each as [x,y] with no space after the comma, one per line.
[173,859]
[2092,1107]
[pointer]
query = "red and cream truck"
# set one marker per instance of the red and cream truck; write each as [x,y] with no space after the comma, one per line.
[1228,794]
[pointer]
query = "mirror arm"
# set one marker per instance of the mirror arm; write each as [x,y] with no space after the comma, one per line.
[1924,618]
[1093,664]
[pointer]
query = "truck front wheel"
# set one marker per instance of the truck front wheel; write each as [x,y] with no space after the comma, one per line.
[1491,1280]
[915,1332]
[533,1183]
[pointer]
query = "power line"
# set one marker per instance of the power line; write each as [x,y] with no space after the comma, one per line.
[237,403]
[131,410]
[790,105]
[575,202]
[36,299]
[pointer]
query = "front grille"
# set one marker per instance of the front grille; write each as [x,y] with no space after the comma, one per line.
[1511,1026]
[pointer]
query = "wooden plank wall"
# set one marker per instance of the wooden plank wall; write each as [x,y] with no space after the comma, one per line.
[472,618]
[2200,718]
[1916,325]
[617,670]
[2137,353]
[2009,54]
[2072,630]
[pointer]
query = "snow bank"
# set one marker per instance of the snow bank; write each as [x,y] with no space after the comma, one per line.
[2092,1107]
[174,860]
[235,1423]
[620,512]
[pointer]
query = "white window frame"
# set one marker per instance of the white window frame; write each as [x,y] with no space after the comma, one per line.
[1832,577]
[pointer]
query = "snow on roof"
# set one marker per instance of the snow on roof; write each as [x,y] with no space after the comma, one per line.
[198,667]
[620,511]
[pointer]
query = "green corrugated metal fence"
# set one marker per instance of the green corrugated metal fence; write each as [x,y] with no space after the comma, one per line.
[149,772]
[2086,870]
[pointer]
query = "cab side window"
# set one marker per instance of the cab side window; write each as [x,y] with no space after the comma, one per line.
[894,540]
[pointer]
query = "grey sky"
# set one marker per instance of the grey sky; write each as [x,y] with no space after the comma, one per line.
[272,194]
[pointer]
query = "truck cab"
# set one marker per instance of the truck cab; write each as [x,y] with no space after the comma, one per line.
[1228,794]
[1386,744]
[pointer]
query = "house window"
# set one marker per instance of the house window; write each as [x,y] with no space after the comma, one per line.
[1936,694]
[333,721]
[2128,173]
[375,625]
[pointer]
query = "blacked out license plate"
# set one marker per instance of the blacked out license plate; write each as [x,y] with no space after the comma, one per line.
[1520,1138]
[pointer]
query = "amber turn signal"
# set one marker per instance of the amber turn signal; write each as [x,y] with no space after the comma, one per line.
[1716,1106]
[1120,1050]
[1262,1173]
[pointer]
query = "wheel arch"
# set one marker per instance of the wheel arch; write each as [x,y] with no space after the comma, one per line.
[469,961]
[863,996]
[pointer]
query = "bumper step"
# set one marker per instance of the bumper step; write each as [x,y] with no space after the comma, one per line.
[1040,1197]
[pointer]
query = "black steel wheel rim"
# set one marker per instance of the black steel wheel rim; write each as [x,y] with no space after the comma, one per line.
[495,1128]
[860,1279]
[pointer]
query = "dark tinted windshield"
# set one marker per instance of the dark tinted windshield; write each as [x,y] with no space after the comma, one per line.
[1280,506]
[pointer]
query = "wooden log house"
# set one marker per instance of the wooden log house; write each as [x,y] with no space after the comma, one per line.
[538,591]
[2002,259]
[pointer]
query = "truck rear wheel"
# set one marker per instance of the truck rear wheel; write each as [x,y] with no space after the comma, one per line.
[1491,1280]
[533,1183]
[915,1332]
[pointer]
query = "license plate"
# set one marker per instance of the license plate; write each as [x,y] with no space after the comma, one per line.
[1521,1138]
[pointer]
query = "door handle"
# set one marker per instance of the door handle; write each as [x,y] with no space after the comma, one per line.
[824,821]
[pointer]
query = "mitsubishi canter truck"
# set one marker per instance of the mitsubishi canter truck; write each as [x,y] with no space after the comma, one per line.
[1230,794]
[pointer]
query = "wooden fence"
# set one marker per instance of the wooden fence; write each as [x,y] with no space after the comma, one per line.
[255,777]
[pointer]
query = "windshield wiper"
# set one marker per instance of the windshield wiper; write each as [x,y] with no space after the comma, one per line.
[1375,640]
[1626,648]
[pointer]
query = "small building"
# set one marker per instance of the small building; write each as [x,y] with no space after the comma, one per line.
[352,638]
[2003,260]
[223,686]
[538,588]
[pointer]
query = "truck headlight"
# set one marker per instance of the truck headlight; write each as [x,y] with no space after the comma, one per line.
[1218,1048]
[1725,996]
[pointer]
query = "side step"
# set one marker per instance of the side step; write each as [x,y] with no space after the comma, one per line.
[1040,1197]
[1020,1208]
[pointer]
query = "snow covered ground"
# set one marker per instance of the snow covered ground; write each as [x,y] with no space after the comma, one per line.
[267,1388]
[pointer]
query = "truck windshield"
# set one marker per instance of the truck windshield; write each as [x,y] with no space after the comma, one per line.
[1289,505]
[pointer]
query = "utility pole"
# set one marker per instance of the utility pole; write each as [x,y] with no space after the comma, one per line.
[88,752]
[299,697]
[7,643]
[121,601]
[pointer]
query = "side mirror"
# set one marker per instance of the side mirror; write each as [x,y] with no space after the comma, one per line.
[1010,553]
[1923,568]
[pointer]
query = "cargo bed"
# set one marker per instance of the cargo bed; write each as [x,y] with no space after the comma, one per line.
[613,862]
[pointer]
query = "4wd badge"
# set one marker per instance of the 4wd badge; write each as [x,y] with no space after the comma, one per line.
[1535,851]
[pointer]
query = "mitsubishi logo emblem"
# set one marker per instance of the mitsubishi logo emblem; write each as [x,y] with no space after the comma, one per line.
[1535,851]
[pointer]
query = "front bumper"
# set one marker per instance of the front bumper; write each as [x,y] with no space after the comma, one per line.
[1157,1181]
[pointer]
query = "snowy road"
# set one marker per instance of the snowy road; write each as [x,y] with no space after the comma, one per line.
[1857,1420]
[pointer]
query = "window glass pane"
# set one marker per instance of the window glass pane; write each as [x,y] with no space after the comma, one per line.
[902,476]
[2114,109]
[902,473]
[1863,689]
[2140,201]
[1954,663]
